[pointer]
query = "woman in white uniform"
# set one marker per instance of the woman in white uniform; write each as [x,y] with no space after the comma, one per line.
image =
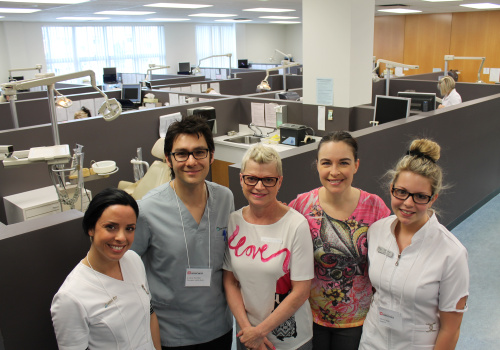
[104,303]
[450,95]
[269,261]
[417,267]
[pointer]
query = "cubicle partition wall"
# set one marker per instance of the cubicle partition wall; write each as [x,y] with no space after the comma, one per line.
[250,80]
[232,87]
[36,111]
[64,89]
[117,140]
[466,133]
[468,91]
[177,79]
[293,82]
[36,256]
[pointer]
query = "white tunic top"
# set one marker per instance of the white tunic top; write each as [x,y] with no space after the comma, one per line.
[453,98]
[429,276]
[85,315]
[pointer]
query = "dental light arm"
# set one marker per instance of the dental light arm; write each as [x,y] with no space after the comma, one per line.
[388,66]
[110,109]
[38,67]
[152,67]
[452,57]
[287,56]
[264,85]
[230,55]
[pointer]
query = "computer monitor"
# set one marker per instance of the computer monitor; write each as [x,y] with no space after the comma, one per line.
[289,95]
[420,101]
[389,108]
[242,63]
[131,92]
[109,75]
[184,67]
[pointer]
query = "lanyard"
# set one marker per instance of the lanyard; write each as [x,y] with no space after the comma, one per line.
[183,230]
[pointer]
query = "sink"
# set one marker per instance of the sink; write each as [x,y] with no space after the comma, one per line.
[244,139]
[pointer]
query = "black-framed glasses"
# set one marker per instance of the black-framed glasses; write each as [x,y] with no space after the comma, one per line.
[251,180]
[403,195]
[182,156]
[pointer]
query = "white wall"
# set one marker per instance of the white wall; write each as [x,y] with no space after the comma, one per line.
[22,43]
[4,57]
[294,41]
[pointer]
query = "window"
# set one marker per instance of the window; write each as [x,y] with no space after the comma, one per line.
[128,48]
[216,40]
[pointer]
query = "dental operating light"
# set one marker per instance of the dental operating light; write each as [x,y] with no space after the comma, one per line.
[110,109]
[198,70]
[388,66]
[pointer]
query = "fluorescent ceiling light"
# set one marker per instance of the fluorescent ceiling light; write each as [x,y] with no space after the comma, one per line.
[440,0]
[284,22]
[178,6]
[124,13]
[400,11]
[233,20]
[10,10]
[167,19]
[264,9]
[278,17]
[83,18]
[212,15]
[48,1]
[482,6]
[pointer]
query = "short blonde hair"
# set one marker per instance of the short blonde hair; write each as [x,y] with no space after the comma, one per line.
[421,159]
[446,85]
[261,154]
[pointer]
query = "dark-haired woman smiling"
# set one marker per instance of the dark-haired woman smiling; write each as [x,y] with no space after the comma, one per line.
[104,303]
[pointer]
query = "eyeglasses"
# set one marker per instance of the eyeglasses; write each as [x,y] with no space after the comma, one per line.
[418,198]
[183,156]
[254,180]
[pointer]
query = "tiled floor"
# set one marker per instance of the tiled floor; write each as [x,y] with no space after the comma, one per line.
[480,234]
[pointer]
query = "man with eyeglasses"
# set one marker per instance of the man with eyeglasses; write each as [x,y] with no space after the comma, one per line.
[181,235]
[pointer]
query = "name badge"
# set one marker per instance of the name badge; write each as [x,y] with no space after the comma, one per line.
[390,319]
[198,277]
[385,252]
[271,240]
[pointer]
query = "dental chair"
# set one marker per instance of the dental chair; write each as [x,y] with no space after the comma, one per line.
[157,174]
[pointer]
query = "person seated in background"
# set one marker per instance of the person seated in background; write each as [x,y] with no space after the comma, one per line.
[105,302]
[450,95]
[83,113]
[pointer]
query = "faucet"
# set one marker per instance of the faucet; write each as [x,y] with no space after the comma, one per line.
[251,126]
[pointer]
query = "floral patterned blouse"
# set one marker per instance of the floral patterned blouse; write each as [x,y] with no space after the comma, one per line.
[341,290]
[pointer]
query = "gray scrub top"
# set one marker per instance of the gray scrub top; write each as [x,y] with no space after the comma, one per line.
[187,315]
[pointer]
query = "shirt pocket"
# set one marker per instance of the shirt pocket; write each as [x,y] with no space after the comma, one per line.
[425,335]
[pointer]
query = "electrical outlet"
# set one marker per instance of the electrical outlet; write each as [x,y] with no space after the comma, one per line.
[330,114]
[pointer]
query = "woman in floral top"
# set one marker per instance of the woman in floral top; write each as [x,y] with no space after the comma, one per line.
[339,216]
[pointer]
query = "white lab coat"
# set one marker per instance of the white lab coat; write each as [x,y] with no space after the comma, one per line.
[431,275]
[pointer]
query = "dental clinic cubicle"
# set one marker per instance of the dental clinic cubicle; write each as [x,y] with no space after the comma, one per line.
[38,254]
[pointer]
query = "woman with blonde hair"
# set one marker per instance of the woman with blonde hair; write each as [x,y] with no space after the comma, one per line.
[417,267]
[269,261]
[450,95]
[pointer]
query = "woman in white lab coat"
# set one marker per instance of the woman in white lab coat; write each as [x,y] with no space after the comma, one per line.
[417,267]
[450,95]
[104,303]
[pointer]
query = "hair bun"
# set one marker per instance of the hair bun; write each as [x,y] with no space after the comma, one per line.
[428,148]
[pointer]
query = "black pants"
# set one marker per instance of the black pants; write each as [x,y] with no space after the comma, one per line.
[327,338]
[222,343]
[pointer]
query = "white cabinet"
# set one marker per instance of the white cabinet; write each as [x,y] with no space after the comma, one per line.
[36,203]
